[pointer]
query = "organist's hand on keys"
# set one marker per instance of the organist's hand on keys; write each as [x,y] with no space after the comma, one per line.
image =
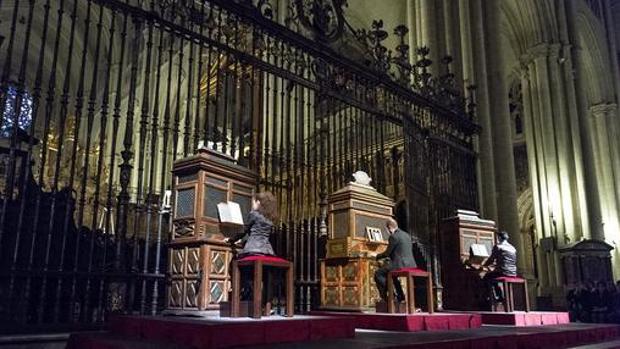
[232,243]
[477,268]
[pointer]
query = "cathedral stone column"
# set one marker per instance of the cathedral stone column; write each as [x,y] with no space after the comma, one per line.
[603,116]
[471,12]
[452,38]
[530,144]
[578,110]
[508,218]
[428,31]
[613,50]
[413,30]
[551,137]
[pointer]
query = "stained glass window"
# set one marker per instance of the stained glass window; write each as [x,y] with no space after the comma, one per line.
[24,119]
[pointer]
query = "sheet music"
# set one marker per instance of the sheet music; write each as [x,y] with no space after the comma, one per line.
[230,212]
[235,212]
[374,234]
[479,250]
[378,235]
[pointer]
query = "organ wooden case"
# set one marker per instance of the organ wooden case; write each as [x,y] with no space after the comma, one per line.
[356,220]
[463,288]
[198,257]
[584,261]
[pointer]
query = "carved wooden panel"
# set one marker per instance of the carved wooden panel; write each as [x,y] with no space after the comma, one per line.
[373,296]
[351,296]
[350,272]
[347,283]
[175,298]
[192,289]
[331,296]
[217,291]
[219,261]
[193,261]
[184,227]
[177,263]
[332,273]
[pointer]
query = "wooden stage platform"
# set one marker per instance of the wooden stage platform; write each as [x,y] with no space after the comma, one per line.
[337,332]
[521,318]
[410,323]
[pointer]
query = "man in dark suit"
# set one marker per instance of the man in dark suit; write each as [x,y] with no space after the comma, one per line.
[504,258]
[400,252]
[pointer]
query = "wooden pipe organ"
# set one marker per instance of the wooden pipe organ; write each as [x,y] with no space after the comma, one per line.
[356,221]
[198,257]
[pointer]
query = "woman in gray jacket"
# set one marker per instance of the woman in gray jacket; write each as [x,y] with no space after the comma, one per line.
[259,226]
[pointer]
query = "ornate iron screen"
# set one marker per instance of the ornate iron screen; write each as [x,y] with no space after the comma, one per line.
[99,97]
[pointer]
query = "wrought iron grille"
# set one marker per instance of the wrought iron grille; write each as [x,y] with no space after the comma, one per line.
[99,97]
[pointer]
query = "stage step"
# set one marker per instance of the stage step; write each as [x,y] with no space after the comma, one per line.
[605,345]
[213,332]
[417,322]
[109,340]
[523,319]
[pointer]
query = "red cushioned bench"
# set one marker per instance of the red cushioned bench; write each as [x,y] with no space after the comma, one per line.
[507,285]
[257,263]
[410,274]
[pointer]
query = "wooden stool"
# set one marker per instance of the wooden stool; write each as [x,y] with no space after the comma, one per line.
[410,274]
[509,301]
[258,262]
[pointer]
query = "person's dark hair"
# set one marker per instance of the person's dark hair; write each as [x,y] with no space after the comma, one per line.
[502,236]
[391,223]
[268,205]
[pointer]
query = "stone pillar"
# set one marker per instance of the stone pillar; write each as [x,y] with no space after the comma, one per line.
[488,204]
[578,111]
[603,115]
[467,37]
[413,30]
[428,30]
[551,138]
[613,47]
[503,156]
[452,38]
[530,143]
[614,124]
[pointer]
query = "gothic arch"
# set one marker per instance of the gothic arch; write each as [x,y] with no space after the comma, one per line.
[529,23]
[592,47]
[527,224]
[526,210]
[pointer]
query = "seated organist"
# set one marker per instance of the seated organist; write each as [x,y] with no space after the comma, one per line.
[258,227]
[504,260]
[400,253]
[256,233]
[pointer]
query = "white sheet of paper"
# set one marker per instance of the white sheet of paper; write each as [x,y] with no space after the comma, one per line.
[230,212]
[479,250]
[235,213]
[223,212]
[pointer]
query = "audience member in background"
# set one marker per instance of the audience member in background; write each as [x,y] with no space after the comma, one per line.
[587,303]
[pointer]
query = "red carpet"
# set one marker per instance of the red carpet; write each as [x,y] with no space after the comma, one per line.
[411,323]
[532,340]
[532,318]
[138,332]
